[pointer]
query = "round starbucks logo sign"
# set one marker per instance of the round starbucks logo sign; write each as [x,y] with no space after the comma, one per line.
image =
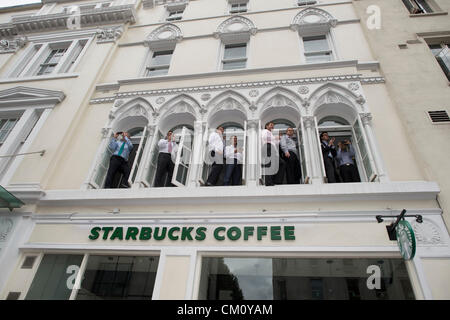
[406,240]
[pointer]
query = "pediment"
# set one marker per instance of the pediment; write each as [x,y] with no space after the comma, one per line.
[20,96]
[313,21]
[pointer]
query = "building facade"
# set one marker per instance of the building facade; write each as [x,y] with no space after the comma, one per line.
[73,73]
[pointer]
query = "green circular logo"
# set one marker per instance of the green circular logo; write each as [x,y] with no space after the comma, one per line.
[406,240]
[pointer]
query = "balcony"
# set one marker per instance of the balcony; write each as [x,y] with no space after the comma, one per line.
[59,21]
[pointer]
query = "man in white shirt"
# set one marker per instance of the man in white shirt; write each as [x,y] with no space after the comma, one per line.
[216,148]
[233,164]
[167,148]
[270,154]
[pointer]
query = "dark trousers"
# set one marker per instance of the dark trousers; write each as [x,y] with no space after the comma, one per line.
[214,174]
[165,165]
[117,164]
[349,173]
[233,174]
[293,170]
[271,179]
[330,170]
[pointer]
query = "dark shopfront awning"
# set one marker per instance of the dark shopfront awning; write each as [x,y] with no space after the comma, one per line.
[8,200]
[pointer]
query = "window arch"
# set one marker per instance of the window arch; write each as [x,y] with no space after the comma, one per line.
[132,117]
[337,112]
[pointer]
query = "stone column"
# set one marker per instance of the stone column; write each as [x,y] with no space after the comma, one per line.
[253,164]
[313,160]
[198,149]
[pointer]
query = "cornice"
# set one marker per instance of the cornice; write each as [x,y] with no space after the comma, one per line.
[59,21]
[242,85]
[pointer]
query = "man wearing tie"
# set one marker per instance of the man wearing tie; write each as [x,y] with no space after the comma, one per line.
[167,147]
[216,149]
[270,154]
[121,147]
[328,153]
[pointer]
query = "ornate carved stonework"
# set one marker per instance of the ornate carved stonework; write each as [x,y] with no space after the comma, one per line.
[6,226]
[205,97]
[118,103]
[12,45]
[308,121]
[360,100]
[106,35]
[313,21]
[165,36]
[353,86]
[253,93]
[427,232]
[366,118]
[160,100]
[236,28]
[303,90]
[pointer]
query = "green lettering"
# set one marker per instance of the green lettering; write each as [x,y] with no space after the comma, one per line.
[161,236]
[236,231]
[216,233]
[200,234]
[289,233]
[118,233]
[132,232]
[146,233]
[261,231]
[94,233]
[171,231]
[186,233]
[106,231]
[275,233]
[248,231]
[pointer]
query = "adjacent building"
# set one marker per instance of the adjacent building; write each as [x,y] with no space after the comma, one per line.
[73,73]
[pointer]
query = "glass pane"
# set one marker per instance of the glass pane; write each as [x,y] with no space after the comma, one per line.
[235,51]
[313,44]
[54,278]
[424,6]
[118,277]
[157,72]
[234,65]
[161,58]
[302,279]
[103,167]
[319,58]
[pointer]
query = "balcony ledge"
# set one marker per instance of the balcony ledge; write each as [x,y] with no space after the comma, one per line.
[401,191]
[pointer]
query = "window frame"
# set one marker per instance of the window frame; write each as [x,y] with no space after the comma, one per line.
[224,60]
[239,10]
[29,63]
[416,9]
[148,65]
[444,45]
[330,51]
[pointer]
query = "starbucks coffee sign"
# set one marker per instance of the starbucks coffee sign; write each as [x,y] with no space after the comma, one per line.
[406,240]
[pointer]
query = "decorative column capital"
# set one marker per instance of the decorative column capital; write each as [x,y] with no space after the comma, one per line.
[105,132]
[366,118]
[308,121]
[12,45]
[252,124]
[106,35]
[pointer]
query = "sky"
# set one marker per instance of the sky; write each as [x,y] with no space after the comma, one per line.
[11,3]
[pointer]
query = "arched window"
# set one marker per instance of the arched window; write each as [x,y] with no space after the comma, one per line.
[131,117]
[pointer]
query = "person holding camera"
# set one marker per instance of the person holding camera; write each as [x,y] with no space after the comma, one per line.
[121,147]
[166,158]
[216,149]
[345,155]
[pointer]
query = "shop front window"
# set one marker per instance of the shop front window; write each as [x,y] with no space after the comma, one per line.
[303,279]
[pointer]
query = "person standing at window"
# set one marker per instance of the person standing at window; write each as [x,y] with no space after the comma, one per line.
[216,149]
[345,155]
[270,154]
[233,164]
[329,153]
[167,150]
[121,147]
[290,156]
